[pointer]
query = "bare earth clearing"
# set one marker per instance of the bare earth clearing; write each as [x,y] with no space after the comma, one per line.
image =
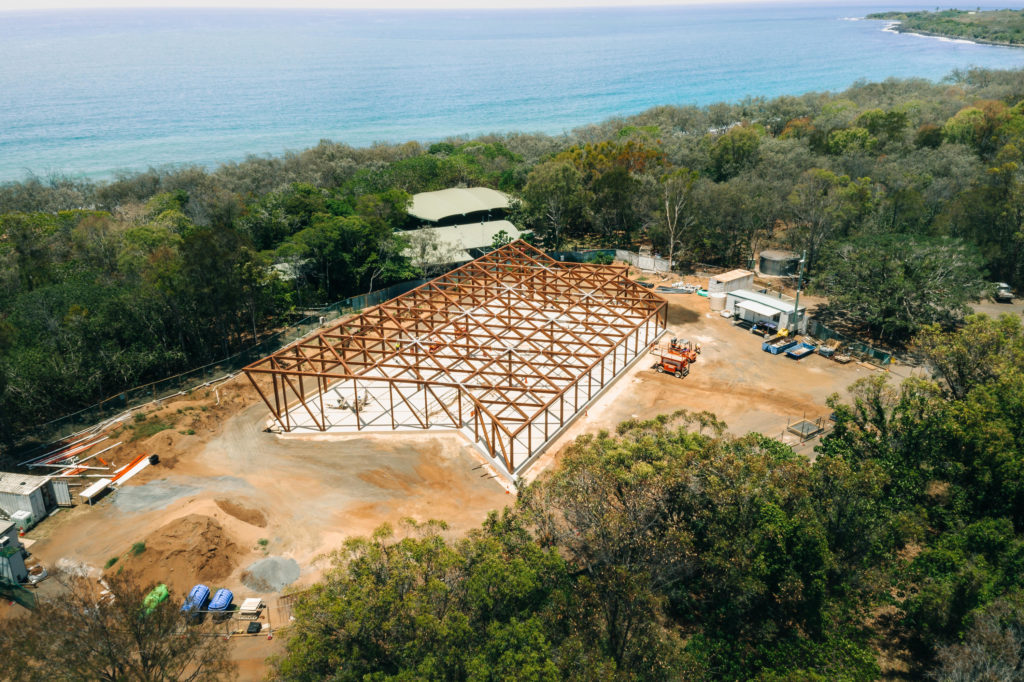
[235,507]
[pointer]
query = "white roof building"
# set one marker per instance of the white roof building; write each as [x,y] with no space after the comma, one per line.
[455,243]
[754,306]
[458,201]
[457,225]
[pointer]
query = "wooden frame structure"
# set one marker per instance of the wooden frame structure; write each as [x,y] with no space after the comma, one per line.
[508,349]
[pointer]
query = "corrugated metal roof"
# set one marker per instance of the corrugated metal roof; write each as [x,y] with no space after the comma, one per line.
[780,304]
[20,484]
[759,308]
[454,241]
[456,201]
[731,275]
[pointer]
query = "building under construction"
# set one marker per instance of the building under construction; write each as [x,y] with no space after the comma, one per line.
[508,349]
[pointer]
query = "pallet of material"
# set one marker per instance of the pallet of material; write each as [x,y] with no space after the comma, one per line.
[250,609]
[828,349]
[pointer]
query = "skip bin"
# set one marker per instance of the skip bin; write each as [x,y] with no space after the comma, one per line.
[197,598]
[221,600]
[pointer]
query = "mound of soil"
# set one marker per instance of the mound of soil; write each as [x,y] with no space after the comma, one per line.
[254,517]
[186,551]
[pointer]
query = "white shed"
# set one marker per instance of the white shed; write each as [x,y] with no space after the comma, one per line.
[21,492]
[754,306]
[35,496]
[730,281]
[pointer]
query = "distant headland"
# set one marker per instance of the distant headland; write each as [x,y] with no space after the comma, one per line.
[991,27]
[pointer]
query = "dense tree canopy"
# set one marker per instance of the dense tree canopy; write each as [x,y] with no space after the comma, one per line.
[893,284]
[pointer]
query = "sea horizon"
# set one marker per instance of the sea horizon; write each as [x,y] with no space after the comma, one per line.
[91,93]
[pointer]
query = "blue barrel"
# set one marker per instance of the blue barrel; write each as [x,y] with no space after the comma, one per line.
[197,598]
[221,600]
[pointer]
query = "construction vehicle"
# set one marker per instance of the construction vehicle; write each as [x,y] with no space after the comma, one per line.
[689,349]
[673,361]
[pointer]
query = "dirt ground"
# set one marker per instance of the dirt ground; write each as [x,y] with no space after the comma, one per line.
[994,309]
[245,495]
[236,507]
[748,389]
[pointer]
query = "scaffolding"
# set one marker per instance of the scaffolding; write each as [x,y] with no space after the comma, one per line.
[507,349]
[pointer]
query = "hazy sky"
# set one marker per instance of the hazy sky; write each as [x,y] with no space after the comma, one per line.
[342,4]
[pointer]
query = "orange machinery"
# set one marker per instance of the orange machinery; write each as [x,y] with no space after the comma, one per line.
[689,349]
[673,361]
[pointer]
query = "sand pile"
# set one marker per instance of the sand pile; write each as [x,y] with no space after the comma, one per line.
[254,517]
[186,551]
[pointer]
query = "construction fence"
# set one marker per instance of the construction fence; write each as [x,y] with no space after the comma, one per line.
[644,262]
[207,374]
[852,346]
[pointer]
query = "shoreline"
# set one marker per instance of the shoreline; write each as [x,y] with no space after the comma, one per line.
[895,26]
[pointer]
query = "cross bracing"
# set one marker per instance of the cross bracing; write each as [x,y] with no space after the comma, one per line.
[507,349]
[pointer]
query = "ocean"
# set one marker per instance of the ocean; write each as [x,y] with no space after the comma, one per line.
[93,93]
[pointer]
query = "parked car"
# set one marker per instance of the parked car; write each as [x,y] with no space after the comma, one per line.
[1004,292]
[36,575]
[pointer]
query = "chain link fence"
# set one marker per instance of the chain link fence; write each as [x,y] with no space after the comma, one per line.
[852,346]
[207,374]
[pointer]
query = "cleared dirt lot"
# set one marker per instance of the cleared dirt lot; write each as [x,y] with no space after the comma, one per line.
[748,389]
[235,507]
[231,495]
[245,496]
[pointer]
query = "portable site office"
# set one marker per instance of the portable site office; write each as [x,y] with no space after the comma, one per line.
[754,306]
[34,496]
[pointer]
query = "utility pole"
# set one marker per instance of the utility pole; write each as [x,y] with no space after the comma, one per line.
[799,284]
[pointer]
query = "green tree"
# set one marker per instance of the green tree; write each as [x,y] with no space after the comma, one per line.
[850,140]
[554,201]
[422,607]
[734,151]
[973,355]
[85,635]
[893,285]
[825,206]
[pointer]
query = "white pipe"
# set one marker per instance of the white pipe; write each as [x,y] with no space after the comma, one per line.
[101,452]
[63,454]
[62,447]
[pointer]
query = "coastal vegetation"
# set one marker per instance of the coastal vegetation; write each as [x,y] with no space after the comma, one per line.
[107,285]
[996,27]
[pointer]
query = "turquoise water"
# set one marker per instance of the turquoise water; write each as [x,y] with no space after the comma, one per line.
[91,93]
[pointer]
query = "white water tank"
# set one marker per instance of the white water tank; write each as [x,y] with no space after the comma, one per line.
[717,299]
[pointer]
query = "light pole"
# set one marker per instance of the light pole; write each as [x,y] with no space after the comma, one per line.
[799,283]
